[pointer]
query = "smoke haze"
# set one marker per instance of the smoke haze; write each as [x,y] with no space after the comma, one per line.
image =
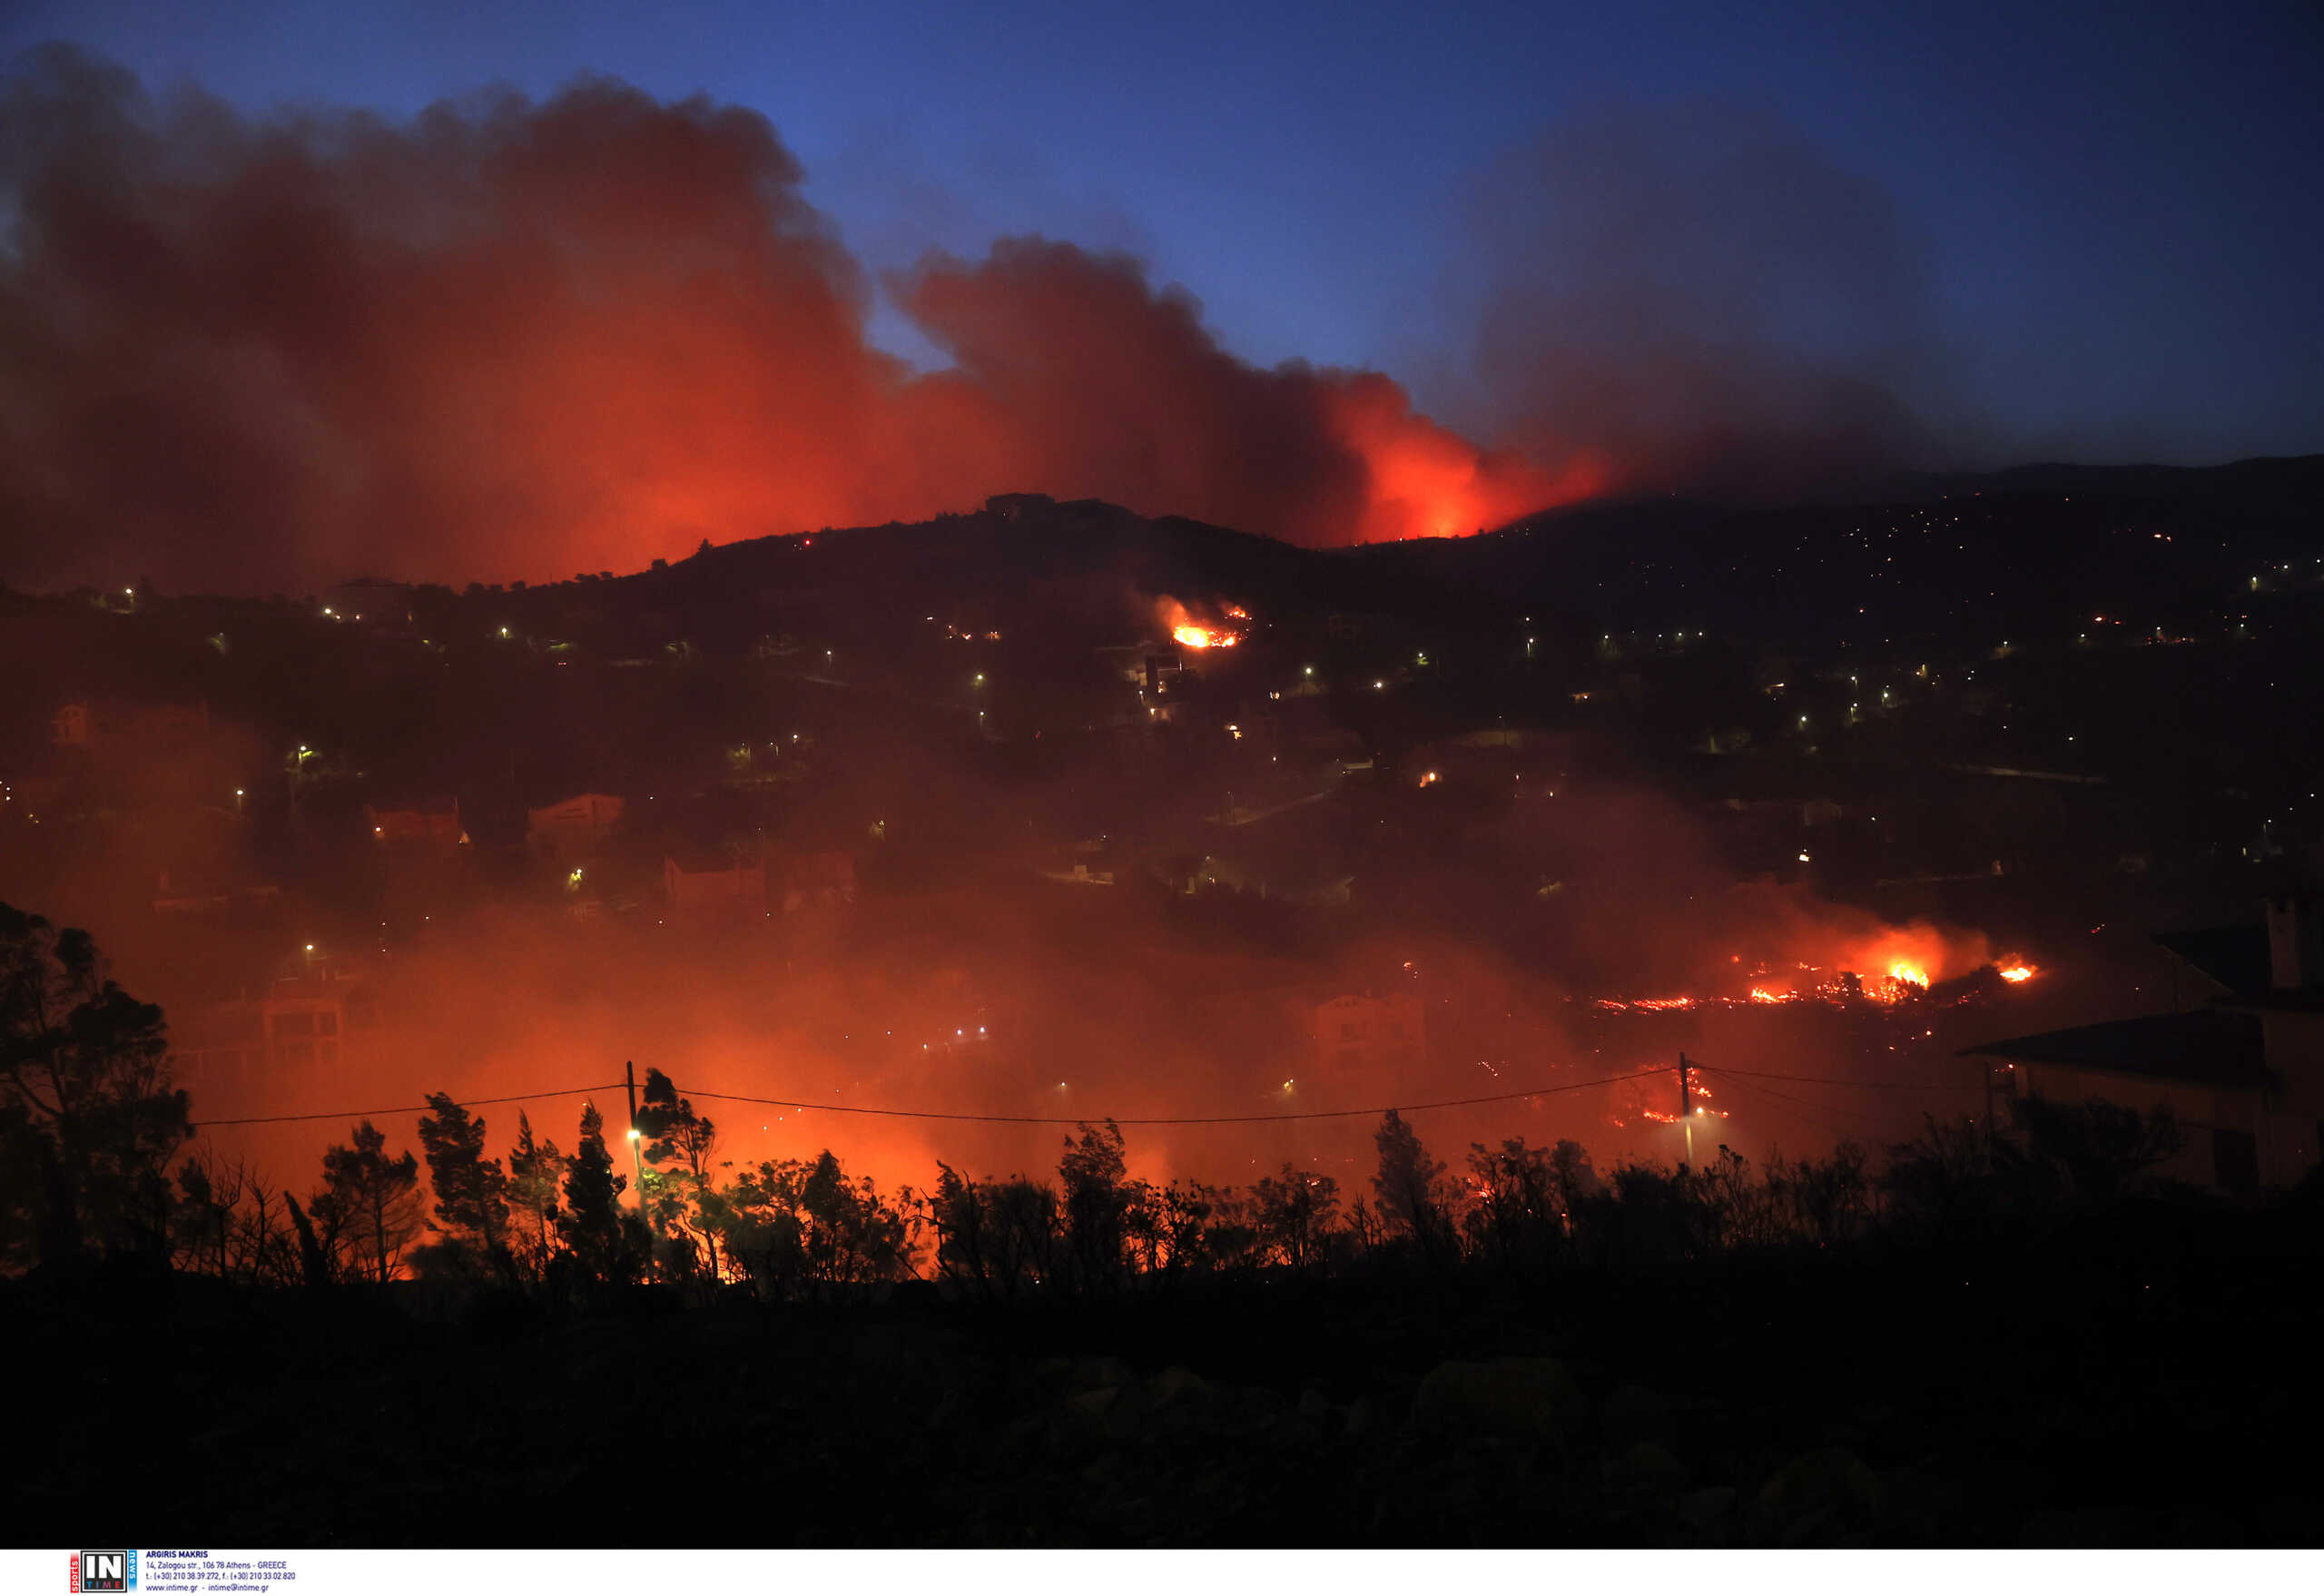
[1701,294]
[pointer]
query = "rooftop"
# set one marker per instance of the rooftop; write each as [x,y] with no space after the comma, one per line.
[2234,956]
[2209,1046]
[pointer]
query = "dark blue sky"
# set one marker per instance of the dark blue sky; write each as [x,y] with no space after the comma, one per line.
[2114,207]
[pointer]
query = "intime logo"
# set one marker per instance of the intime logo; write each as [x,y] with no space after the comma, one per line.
[105,1570]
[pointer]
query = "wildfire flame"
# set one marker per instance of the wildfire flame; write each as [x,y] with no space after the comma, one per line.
[1192,637]
[1188,630]
[2014,973]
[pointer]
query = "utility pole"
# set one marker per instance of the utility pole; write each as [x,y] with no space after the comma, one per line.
[636,1159]
[1686,1108]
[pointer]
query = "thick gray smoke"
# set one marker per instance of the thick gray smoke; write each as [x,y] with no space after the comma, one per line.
[1701,298]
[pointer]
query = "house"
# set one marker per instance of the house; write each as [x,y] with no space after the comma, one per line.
[1354,1032]
[2243,1073]
[576,828]
[87,724]
[209,892]
[308,1030]
[708,886]
[435,820]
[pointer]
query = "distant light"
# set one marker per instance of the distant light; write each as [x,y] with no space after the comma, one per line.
[1803,857]
[310,947]
[633,1134]
[1309,670]
[504,631]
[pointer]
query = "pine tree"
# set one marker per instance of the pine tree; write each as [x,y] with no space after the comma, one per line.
[88,1117]
[536,1172]
[1407,1183]
[472,1190]
[374,1199]
[592,1225]
[675,1133]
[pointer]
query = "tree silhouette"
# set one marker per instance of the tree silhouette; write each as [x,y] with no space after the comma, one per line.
[86,1098]
[591,1224]
[472,1190]
[374,1201]
[803,1228]
[1093,1173]
[1408,1183]
[1295,1214]
[685,1199]
[536,1172]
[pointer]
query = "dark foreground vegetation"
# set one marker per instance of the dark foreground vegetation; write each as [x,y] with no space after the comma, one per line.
[1982,1338]
[2132,1376]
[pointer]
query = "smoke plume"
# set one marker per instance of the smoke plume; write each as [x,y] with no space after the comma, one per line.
[1700,295]
[512,338]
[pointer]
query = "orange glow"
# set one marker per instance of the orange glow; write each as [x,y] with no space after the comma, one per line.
[1427,481]
[1910,974]
[487,263]
[1193,636]
[1190,630]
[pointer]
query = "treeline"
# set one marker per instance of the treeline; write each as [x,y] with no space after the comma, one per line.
[96,1158]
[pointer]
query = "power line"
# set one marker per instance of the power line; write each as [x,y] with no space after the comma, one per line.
[1885,1086]
[971,1118]
[1204,1119]
[200,1124]
[1822,1112]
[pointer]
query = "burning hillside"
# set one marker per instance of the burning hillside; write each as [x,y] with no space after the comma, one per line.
[668,339]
